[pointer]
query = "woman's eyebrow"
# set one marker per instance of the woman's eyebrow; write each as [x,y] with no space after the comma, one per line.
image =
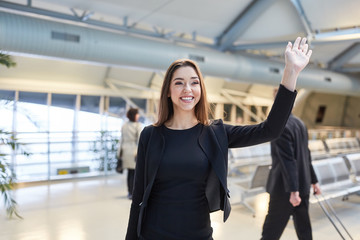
[180,78]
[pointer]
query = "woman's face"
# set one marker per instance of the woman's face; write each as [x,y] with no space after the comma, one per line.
[185,90]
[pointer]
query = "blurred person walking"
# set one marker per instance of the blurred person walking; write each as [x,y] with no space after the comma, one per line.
[130,134]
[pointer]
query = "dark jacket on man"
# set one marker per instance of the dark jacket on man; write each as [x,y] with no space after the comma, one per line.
[291,169]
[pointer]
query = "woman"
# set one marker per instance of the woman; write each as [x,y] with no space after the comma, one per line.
[130,133]
[182,159]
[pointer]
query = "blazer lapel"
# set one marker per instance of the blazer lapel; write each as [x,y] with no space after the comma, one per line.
[213,151]
[156,152]
[213,146]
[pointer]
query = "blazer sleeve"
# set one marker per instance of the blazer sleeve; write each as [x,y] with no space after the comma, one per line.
[284,149]
[271,128]
[138,191]
[312,172]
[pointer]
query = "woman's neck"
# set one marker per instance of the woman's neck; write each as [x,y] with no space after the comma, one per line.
[182,121]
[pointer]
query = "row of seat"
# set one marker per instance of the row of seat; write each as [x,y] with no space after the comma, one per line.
[246,156]
[334,173]
[333,147]
[320,149]
[338,176]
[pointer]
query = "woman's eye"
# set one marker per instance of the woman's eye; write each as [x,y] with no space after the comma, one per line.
[178,83]
[196,82]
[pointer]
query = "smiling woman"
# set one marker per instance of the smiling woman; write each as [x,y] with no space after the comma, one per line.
[183,93]
[181,168]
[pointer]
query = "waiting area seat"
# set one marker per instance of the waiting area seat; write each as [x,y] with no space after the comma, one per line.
[338,146]
[252,186]
[354,164]
[318,149]
[334,178]
[252,155]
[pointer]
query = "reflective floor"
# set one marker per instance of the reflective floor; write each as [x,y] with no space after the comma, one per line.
[97,209]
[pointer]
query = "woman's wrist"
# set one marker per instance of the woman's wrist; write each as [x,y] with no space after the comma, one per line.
[289,78]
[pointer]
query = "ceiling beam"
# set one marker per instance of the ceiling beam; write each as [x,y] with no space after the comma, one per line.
[338,62]
[241,23]
[352,69]
[304,20]
[339,34]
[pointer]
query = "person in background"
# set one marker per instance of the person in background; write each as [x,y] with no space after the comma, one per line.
[181,169]
[289,182]
[130,133]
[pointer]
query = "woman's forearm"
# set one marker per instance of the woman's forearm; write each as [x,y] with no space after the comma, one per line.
[289,78]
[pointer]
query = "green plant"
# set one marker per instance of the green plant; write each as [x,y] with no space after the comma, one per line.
[104,148]
[6,60]
[7,175]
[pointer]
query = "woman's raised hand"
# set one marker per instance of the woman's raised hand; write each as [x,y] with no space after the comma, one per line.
[297,55]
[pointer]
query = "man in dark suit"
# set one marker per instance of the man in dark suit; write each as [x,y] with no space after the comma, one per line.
[289,182]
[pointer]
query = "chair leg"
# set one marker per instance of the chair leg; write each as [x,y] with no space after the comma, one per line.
[245,204]
[250,208]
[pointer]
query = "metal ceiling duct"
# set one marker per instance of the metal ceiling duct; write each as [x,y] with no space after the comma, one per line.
[45,37]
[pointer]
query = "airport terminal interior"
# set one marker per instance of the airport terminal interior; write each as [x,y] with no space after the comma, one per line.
[70,70]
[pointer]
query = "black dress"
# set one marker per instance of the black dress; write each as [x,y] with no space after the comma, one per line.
[178,208]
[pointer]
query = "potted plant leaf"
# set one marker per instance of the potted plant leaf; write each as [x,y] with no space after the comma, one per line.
[7,142]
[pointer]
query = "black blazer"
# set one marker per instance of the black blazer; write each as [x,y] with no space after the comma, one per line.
[214,141]
[291,169]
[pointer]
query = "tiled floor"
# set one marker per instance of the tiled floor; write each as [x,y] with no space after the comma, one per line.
[97,209]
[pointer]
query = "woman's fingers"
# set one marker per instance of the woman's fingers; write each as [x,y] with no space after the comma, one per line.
[305,48]
[296,43]
[302,43]
[288,47]
[309,53]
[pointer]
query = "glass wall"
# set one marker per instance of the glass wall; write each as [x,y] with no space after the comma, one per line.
[31,128]
[61,135]
[6,110]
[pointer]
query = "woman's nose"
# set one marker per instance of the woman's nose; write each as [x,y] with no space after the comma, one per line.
[187,87]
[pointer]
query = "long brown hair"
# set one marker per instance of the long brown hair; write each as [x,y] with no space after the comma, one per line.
[166,111]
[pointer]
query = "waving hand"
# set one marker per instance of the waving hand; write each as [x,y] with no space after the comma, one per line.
[297,57]
[297,54]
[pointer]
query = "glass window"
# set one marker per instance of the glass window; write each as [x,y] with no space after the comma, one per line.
[264,109]
[32,97]
[239,115]
[253,110]
[90,104]
[62,137]
[117,106]
[7,95]
[63,100]
[140,102]
[31,127]
[32,112]
[320,114]
[6,110]
[62,113]
[212,110]
[227,112]
[89,118]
